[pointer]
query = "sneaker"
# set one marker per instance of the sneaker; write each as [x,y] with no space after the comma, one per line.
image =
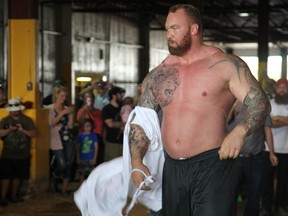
[3,202]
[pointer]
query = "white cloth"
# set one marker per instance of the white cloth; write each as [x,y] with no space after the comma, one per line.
[280,135]
[106,190]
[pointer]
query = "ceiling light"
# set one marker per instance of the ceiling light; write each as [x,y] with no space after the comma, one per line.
[83,79]
[104,78]
[244,14]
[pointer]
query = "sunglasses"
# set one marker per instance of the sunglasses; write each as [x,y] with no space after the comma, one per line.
[14,105]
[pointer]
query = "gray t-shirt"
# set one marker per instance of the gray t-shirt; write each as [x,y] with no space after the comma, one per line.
[254,143]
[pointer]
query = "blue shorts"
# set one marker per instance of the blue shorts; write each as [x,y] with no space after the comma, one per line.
[202,185]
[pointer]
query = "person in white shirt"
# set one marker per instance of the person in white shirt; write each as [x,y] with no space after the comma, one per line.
[279,114]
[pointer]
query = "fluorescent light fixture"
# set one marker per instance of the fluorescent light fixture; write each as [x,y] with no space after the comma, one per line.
[244,14]
[83,79]
[104,78]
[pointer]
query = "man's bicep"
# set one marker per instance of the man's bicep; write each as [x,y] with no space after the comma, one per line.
[242,83]
[246,89]
[147,98]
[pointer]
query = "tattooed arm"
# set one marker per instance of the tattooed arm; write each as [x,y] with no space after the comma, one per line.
[245,88]
[139,144]
[152,87]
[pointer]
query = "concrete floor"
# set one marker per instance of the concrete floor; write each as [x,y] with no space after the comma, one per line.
[53,204]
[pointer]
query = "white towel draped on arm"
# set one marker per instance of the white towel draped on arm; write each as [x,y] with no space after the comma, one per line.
[106,190]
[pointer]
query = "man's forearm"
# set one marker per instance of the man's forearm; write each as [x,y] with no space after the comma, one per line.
[269,139]
[258,108]
[279,121]
[138,143]
[4,132]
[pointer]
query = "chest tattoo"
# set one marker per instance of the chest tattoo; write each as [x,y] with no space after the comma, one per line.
[161,85]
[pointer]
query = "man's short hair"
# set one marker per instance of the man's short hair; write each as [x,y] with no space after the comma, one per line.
[115,90]
[191,11]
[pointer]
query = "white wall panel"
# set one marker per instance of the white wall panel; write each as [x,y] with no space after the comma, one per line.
[158,48]
[90,31]
[49,51]
[123,63]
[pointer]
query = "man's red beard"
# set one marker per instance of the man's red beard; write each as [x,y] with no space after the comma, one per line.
[281,99]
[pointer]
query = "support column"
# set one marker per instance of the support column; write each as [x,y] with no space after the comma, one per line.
[3,44]
[263,30]
[64,46]
[284,62]
[22,77]
[144,57]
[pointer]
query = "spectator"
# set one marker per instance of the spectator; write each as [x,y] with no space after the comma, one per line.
[250,160]
[16,130]
[88,111]
[61,123]
[279,114]
[127,107]
[113,125]
[101,98]
[87,149]
[48,100]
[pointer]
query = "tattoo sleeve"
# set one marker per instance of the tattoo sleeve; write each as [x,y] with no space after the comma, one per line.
[138,143]
[256,101]
[159,87]
[258,108]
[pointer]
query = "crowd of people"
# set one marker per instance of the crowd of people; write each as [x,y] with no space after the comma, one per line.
[78,136]
[86,136]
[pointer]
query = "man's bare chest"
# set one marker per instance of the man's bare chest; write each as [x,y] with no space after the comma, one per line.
[177,84]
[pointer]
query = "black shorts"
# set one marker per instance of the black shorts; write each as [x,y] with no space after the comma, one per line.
[15,168]
[202,185]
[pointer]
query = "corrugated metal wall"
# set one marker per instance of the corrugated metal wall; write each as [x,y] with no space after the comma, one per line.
[158,48]
[102,44]
[49,51]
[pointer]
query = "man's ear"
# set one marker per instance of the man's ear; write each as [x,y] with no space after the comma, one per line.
[194,28]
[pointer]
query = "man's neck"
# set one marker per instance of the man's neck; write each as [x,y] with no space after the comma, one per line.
[114,103]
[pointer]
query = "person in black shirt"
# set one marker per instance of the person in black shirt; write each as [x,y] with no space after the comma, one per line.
[113,126]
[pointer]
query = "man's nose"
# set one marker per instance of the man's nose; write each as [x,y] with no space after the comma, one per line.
[169,35]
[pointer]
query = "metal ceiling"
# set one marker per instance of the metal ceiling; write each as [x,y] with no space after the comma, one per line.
[221,18]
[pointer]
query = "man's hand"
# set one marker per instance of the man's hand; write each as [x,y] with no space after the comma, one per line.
[273,159]
[138,177]
[232,143]
[13,127]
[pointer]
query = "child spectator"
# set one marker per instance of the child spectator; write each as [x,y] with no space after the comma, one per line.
[127,107]
[87,149]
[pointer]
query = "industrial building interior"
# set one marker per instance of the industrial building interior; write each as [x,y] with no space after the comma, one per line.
[244,27]
[119,41]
